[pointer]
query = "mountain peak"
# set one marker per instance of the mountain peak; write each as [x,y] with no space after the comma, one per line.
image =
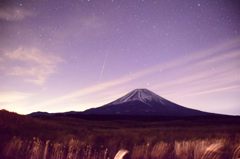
[141,94]
[141,91]
[144,102]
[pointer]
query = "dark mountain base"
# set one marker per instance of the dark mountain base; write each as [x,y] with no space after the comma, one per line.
[145,118]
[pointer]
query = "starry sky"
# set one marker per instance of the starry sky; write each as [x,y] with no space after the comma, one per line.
[58,55]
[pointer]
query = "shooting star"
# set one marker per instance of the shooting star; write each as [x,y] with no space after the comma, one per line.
[103,66]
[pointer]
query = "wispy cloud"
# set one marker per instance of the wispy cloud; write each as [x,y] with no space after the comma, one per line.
[14,13]
[31,64]
[199,71]
[12,96]
[212,90]
[211,71]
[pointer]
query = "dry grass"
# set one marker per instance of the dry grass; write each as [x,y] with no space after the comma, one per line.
[220,148]
[73,138]
[189,149]
[236,152]
[161,150]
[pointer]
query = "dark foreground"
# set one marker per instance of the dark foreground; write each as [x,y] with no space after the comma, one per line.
[102,137]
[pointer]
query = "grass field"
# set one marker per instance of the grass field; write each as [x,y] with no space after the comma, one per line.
[74,138]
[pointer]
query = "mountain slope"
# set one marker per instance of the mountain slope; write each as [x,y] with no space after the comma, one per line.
[144,102]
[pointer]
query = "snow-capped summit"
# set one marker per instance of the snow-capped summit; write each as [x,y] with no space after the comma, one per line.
[144,102]
[143,95]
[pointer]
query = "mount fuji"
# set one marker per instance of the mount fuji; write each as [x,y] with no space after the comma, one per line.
[144,102]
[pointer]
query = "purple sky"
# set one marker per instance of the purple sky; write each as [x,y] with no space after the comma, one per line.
[63,55]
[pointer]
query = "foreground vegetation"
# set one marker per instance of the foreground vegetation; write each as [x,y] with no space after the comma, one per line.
[74,138]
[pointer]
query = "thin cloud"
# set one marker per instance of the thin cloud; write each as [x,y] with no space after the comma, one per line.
[13,96]
[32,64]
[201,72]
[143,73]
[14,14]
[209,91]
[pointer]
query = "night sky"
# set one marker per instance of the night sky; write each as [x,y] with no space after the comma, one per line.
[63,55]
